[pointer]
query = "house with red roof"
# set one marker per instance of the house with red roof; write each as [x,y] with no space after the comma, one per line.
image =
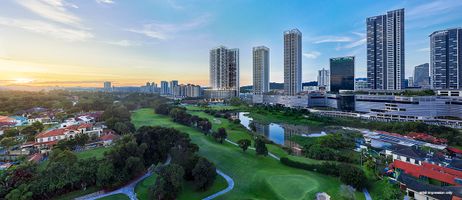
[51,137]
[429,167]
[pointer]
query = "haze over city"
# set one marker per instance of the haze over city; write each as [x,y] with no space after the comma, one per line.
[83,43]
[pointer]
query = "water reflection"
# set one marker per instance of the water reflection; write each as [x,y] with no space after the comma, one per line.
[280,133]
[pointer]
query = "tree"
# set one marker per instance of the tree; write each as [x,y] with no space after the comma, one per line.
[244,144]
[220,135]
[353,176]
[21,193]
[260,147]
[105,174]
[390,191]
[38,126]
[204,174]
[235,101]
[168,183]
[8,142]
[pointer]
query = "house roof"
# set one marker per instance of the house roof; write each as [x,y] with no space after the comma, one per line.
[417,186]
[411,152]
[455,150]
[51,133]
[108,137]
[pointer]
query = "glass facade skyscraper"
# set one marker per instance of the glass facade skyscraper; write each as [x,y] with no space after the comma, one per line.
[385,51]
[342,74]
[422,75]
[445,59]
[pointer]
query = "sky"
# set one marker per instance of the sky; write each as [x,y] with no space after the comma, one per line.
[83,43]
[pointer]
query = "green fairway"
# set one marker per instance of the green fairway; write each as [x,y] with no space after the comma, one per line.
[256,177]
[115,197]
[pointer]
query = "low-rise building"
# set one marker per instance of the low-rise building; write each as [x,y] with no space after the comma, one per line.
[51,137]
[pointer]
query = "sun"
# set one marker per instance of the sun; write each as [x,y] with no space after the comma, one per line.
[22,80]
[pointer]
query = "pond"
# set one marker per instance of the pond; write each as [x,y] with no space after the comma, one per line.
[280,133]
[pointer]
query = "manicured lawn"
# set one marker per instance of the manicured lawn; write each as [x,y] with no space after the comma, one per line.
[256,177]
[115,197]
[96,152]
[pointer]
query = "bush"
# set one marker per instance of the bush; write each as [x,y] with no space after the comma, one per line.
[353,176]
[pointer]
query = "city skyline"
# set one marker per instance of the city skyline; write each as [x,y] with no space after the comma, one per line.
[84,48]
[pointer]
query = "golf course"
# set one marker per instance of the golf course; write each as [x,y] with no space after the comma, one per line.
[255,177]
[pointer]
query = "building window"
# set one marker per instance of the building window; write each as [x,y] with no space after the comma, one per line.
[408,160]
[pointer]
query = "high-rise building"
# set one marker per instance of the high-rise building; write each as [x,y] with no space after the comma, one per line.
[224,70]
[446,59]
[385,51]
[173,87]
[342,73]
[361,84]
[323,79]
[292,62]
[164,90]
[422,75]
[410,82]
[260,69]
[107,86]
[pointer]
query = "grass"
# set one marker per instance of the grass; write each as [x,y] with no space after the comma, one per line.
[96,152]
[142,188]
[115,197]
[256,177]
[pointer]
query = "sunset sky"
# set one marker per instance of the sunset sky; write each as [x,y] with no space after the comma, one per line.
[86,42]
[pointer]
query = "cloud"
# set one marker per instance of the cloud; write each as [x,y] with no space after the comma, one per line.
[55,10]
[312,54]
[433,8]
[328,39]
[175,5]
[164,31]
[105,1]
[427,49]
[123,43]
[356,43]
[45,28]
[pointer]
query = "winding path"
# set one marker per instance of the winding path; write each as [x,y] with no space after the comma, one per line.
[227,189]
[128,190]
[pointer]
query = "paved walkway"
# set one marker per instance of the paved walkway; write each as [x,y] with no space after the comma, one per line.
[366,193]
[128,190]
[227,189]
